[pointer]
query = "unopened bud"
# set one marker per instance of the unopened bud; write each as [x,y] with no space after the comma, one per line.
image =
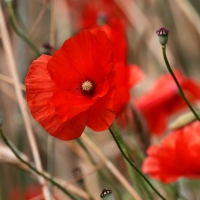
[107,195]
[162,35]
[46,49]
[77,173]
[101,18]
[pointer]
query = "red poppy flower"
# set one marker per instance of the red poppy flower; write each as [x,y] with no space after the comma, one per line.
[164,100]
[176,156]
[74,87]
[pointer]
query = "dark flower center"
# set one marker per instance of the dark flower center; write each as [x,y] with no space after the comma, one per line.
[87,87]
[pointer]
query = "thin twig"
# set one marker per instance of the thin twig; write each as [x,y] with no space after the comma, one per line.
[7,156]
[100,173]
[89,172]
[190,12]
[14,150]
[50,142]
[133,12]
[75,148]
[10,81]
[39,18]
[142,130]
[53,24]
[18,32]
[12,67]
[121,148]
[110,166]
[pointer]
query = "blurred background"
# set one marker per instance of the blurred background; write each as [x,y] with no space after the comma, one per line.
[48,23]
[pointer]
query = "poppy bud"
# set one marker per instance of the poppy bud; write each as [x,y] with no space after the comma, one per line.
[107,195]
[101,18]
[162,35]
[46,49]
[77,172]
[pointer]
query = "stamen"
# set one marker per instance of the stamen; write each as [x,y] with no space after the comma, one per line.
[87,87]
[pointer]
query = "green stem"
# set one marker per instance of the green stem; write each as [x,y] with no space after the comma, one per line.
[193,188]
[177,190]
[133,165]
[33,168]
[101,174]
[123,143]
[177,83]
[134,177]
[21,35]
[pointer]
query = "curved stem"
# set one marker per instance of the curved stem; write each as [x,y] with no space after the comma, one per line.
[100,173]
[177,83]
[133,165]
[14,150]
[21,35]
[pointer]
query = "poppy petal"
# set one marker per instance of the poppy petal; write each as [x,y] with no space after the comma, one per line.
[164,100]
[81,56]
[193,88]
[39,102]
[173,157]
[68,105]
[68,130]
[101,114]
[135,74]
[38,97]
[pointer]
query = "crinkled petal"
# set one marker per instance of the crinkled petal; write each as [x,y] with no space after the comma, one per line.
[69,105]
[68,130]
[101,114]
[39,91]
[39,87]
[115,30]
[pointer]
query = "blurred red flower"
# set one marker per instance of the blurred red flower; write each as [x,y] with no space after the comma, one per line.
[87,14]
[164,100]
[74,87]
[27,193]
[126,78]
[177,155]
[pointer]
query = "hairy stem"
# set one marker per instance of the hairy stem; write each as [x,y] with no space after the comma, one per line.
[177,83]
[115,137]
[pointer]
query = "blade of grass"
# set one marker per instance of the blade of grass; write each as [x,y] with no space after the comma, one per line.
[12,67]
